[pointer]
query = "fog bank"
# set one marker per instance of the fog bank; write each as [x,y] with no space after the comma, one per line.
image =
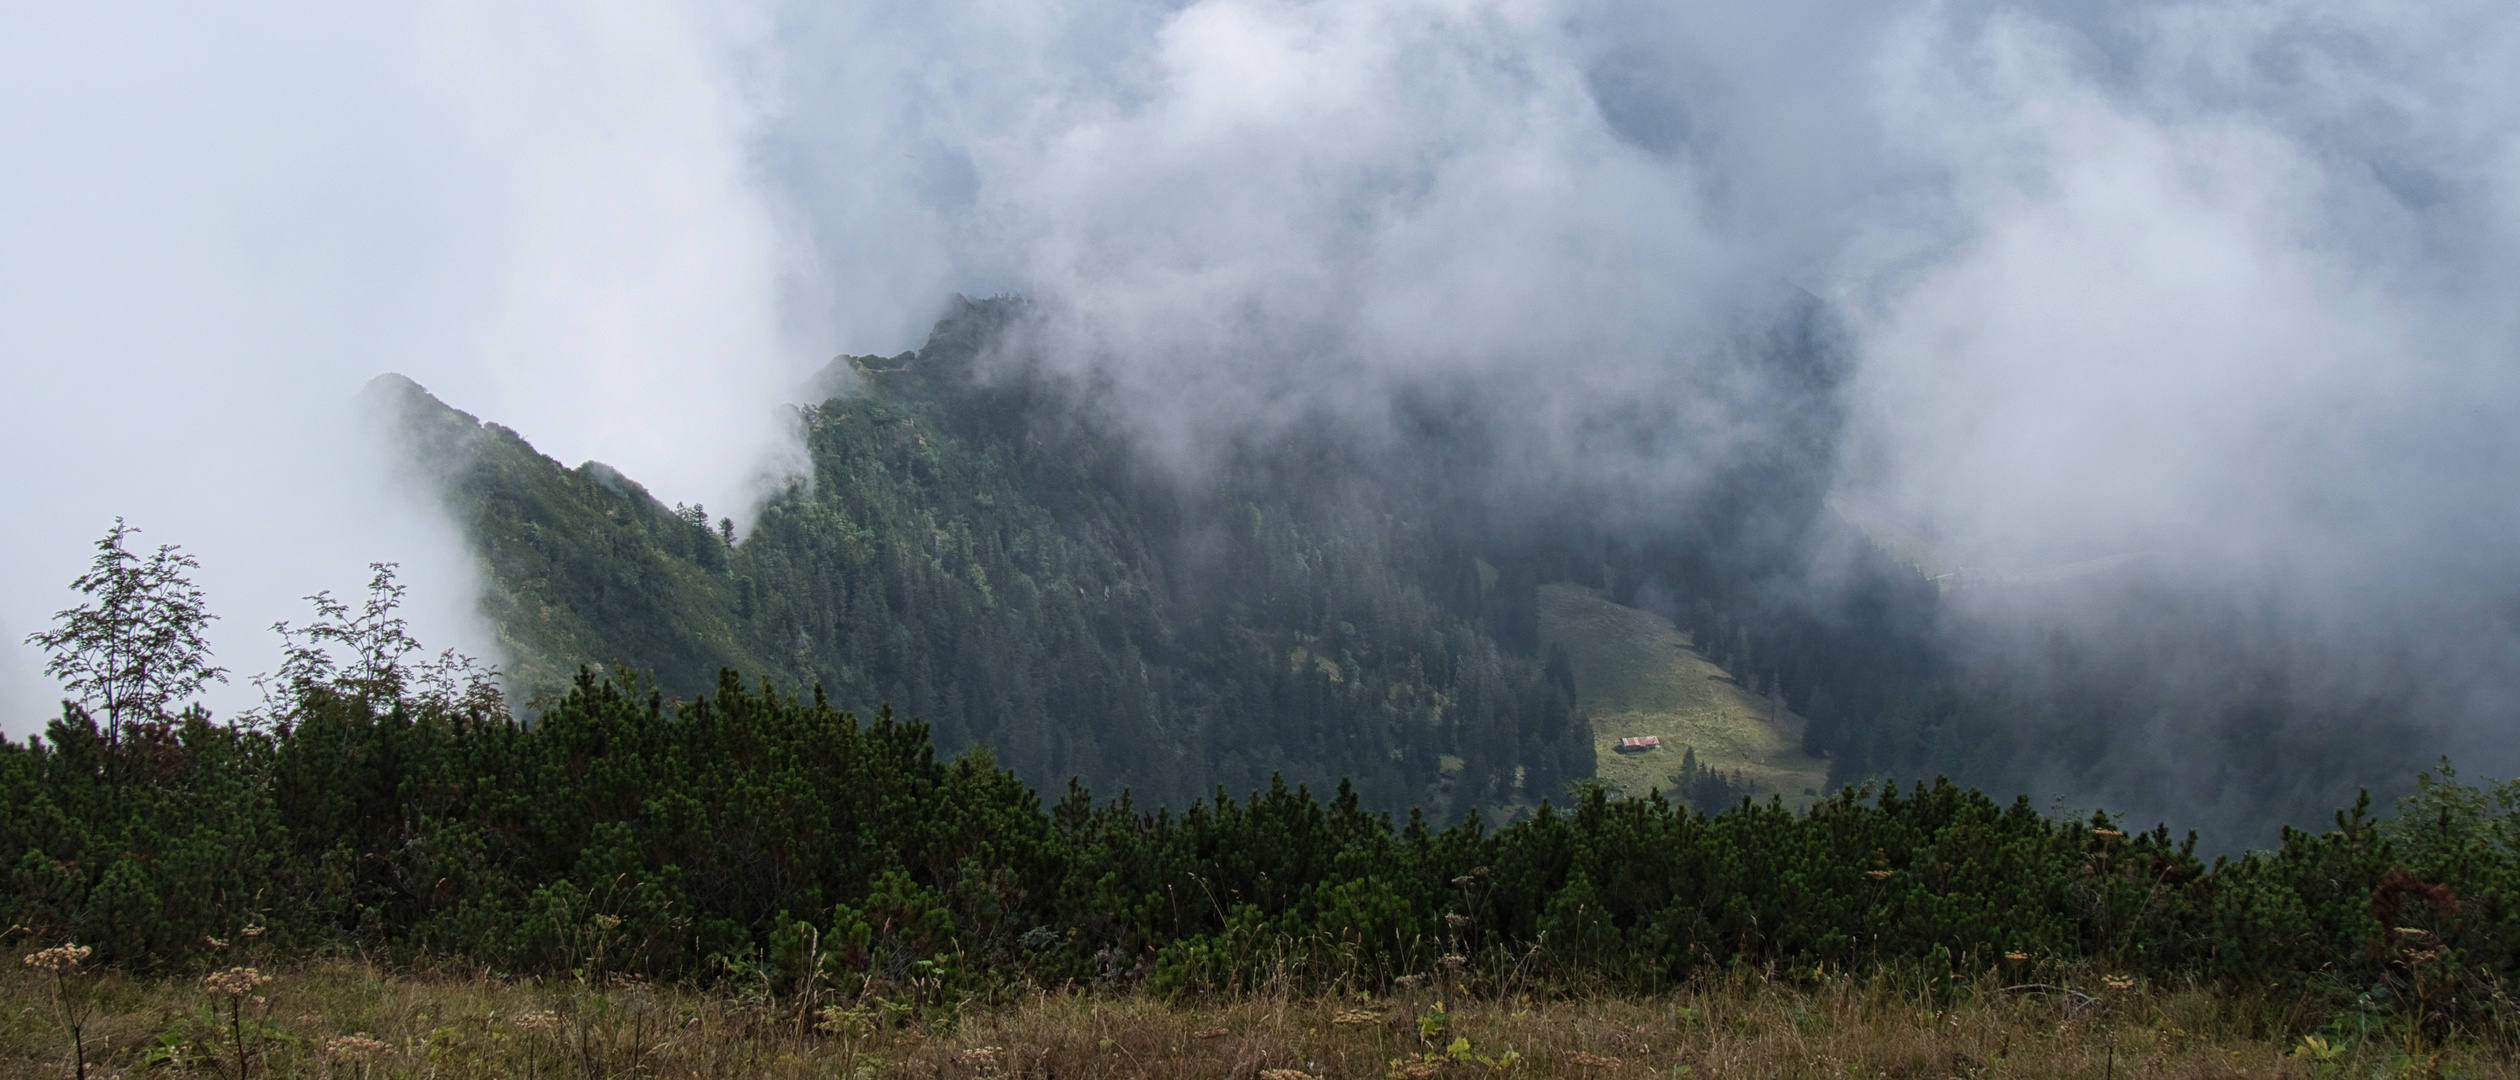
[224,222]
[2212,293]
[2216,290]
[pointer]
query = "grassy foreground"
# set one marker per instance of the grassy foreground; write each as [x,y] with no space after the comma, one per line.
[347,1018]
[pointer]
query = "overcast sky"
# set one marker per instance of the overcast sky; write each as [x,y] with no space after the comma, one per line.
[2231,280]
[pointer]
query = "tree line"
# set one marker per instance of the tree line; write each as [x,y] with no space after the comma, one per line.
[392,806]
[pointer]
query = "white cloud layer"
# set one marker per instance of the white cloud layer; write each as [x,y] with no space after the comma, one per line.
[2228,280]
[223,221]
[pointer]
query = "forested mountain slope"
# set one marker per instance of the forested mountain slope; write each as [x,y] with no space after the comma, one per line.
[980,553]
[979,544]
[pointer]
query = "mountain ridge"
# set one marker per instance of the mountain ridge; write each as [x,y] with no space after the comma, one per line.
[978,552]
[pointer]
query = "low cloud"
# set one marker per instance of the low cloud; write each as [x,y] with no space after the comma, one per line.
[224,223]
[2223,292]
[2220,285]
[2209,290]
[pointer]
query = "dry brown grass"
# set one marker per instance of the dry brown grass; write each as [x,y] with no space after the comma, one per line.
[351,1019]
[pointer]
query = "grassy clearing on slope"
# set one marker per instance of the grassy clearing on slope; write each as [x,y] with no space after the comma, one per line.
[347,1018]
[1637,675]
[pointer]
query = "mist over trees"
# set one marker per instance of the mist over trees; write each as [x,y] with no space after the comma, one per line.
[2107,278]
[763,840]
[980,543]
[976,549]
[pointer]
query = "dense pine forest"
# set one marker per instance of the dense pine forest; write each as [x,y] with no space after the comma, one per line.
[978,544]
[1260,540]
[973,548]
[798,860]
[984,706]
[748,834]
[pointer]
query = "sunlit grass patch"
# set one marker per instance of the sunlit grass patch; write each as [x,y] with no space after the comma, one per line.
[1637,675]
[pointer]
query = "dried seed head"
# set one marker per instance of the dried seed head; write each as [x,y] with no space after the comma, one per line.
[235,982]
[60,959]
[545,1020]
[359,1047]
